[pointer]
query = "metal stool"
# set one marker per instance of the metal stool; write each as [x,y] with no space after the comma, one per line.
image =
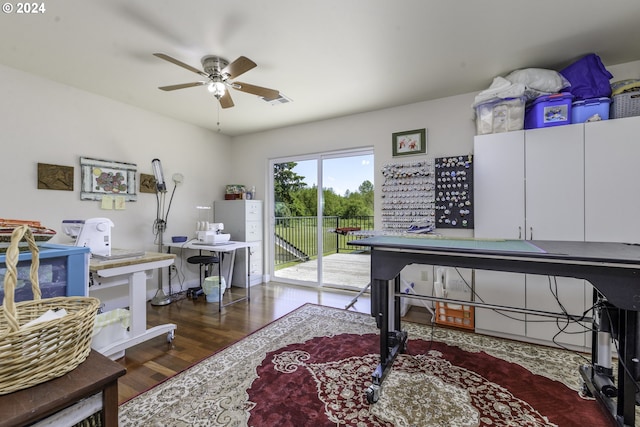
[206,261]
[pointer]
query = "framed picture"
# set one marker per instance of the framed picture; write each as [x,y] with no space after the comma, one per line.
[409,142]
[147,183]
[55,177]
[107,178]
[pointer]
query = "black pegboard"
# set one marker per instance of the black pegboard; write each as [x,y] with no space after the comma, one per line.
[454,192]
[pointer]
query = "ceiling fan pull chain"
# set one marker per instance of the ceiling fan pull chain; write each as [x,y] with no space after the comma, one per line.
[218,124]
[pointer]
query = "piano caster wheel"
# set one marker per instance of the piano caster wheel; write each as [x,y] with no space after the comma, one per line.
[171,335]
[373,393]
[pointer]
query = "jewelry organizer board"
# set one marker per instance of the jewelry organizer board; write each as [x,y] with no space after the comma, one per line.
[454,192]
[408,195]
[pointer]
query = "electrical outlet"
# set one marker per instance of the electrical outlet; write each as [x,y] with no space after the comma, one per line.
[424,275]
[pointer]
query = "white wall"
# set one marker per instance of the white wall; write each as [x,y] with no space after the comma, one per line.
[46,122]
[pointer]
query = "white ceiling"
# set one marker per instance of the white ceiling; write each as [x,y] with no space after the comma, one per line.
[331,57]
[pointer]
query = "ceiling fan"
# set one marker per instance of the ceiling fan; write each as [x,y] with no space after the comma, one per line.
[219,73]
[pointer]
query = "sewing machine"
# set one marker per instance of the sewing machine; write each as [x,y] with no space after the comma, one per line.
[95,233]
[211,233]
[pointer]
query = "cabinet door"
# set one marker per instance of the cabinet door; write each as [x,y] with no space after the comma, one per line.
[555,211]
[555,183]
[547,293]
[500,288]
[612,155]
[498,169]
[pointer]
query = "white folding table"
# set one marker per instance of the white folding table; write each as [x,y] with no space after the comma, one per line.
[132,272]
[229,247]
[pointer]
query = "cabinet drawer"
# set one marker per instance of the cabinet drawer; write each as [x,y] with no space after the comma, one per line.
[255,266]
[253,231]
[253,211]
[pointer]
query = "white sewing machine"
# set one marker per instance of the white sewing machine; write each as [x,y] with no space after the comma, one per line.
[211,233]
[94,233]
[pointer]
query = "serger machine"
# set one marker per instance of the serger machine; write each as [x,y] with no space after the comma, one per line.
[210,233]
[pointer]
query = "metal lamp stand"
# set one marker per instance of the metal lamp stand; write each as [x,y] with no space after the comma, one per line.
[160,298]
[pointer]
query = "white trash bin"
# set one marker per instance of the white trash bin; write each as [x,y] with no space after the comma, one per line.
[110,327]
[210,288]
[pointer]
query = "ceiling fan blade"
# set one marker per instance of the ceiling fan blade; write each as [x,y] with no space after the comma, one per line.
[182,86]
[180,63]
[225,100]
[264,92]
[239,66]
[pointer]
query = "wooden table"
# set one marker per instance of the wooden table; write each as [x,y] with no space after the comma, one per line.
[97,374]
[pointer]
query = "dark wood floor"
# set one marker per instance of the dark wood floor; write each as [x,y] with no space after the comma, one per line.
[202,330]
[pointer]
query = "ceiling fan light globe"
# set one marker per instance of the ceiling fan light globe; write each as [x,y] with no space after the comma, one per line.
[217,88]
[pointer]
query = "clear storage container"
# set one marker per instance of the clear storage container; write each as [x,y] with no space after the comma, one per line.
[504,115]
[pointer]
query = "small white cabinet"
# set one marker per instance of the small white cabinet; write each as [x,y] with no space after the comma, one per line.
[243,220]
[530,185]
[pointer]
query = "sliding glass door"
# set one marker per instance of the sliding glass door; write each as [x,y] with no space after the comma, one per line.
[295,213]
[311,227]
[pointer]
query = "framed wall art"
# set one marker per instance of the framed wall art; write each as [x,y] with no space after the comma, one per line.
[55,177]
[409,142]
[148,183]
[107,178]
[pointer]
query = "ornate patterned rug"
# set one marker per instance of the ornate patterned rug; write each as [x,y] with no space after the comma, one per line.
[312,367]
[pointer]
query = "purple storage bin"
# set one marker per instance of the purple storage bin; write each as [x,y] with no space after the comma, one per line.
[549,110]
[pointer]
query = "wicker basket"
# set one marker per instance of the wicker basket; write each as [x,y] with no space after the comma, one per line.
[30,355]
[626,104]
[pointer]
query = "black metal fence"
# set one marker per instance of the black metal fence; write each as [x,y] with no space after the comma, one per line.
[296,238]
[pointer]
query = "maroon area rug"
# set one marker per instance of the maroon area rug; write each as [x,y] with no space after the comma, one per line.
[312,367]
[321,383]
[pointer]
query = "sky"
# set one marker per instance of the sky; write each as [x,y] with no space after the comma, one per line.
[340,174]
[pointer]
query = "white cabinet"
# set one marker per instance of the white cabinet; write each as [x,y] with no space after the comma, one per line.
[554,190]
[554,198]
[499,213]
[243,220]
[530,185]
[612,204]
[498,166]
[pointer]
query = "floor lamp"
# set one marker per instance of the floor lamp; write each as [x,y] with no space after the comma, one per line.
[160,224]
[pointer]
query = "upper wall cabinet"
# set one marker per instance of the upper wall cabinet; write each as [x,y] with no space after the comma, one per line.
[499,199]
[612,180]
[530,184]
[554,189]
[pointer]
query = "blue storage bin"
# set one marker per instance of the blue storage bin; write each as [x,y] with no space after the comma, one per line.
[582,111]
[549,110]
[64,271]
